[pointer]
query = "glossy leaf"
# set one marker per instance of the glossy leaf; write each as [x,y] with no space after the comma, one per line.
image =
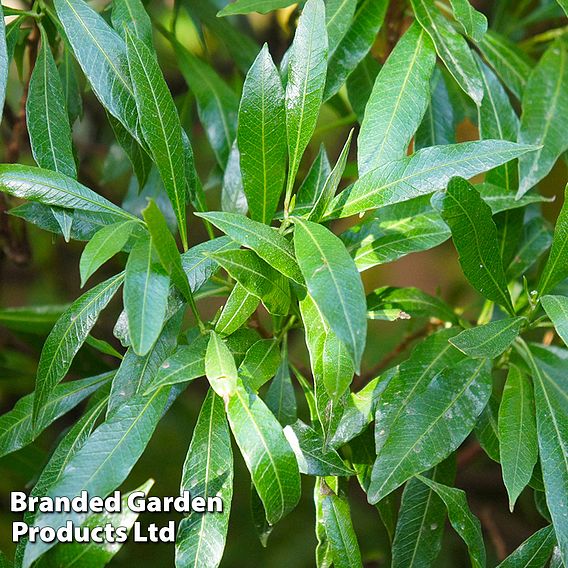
[159,124]
[475,238]
[240,305]
[333,282]
[280,397]
[556,308]
[306,80]
[46,115]
[269,458]
[262,138]
[220,367]
[129,16]
[313,183]
[207,472]
[518,447]
[435,423]
[360,84]
[260,363]
[544,118]
[67,337]
[489,340]
[427,170]
[534,552]
[338,16]
[474,23]
[398,101]
[462,520]
[146,288]
[248,6]
[451,47]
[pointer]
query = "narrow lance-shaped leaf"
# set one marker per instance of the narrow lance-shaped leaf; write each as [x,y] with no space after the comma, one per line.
[545,115]
[334,284]
[355,45]
[16,424]
[462,520]
[130,16]
[518,445]
[220,367]
[451,47]
[427,170]
[420,526]
[534,552]
[160,125]
[556,267]
[313,183]
[360,85]
[434,423]
[104,461]
[336,518]
[104,245]
[280,398]
[474,23]
[398,101]
[217,113]
[262,137]
[233,198]
[260,363]
[269,458]
[489,340]
[46,115]
[240,305]
[70,84]
[101,53]
[266,242]
[67,337]
[475,238]
[338,16]
[248,6]
[146,288]
[4,61]
[556,307]
[306,80]
[207,473]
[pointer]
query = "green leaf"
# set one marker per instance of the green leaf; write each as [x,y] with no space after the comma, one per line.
[32,319]
[240,305]
[324,197]
[101,53]
[338,16]
[534,552]
[53,188]
[104,461]
[518,446]
[334,284]
[556,307]
[46,115]
[70,84]
[186,363]
[398,101]
[420,526]
[556,267]
[220,367]
[233,198]
[451,47]
[475,238]
[269,458]
[550,390]
[411,301]
[462,520]
[160,125]
[545,115]
[434,423]
[486,429]
[534,242]
[426,171]
[280,397]
[355,44]
[306,80]
[217,104]
[509,62]
[262,137]
[165,245]
[360,84]
[439,124]
[146,288]
[93,554]
[564,5]
[260,363]
[207,472]
[265,241]
[4,61]
[336,518]
[474,23]
[16,425]
[489,340]
[67,337]
[337,367]
[248,6]
[130,17]
[106,242]
[258,278]
[313,183]
[313,455]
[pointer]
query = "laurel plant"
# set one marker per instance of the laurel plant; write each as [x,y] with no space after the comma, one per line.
[284,249]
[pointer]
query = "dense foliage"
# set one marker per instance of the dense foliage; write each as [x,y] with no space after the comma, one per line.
[282,252]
